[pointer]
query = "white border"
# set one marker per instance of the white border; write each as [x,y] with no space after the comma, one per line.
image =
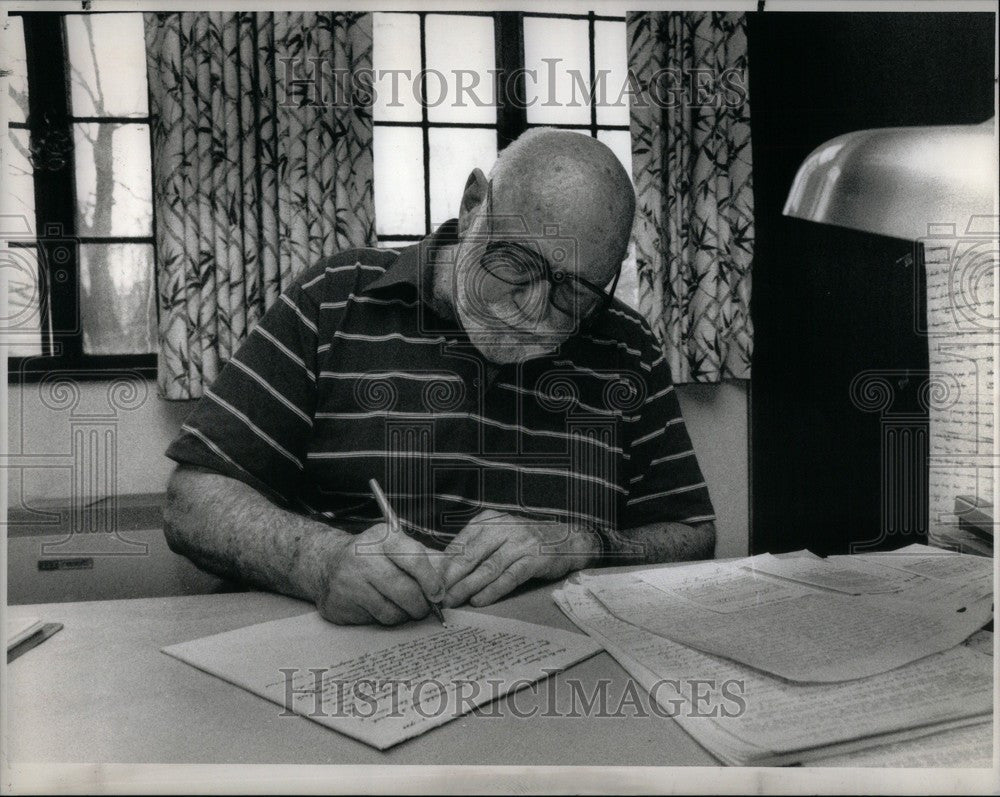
[401,779]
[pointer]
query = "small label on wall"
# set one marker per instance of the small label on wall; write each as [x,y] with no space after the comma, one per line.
[77,563]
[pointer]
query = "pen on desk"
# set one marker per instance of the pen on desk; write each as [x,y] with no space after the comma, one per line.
[389,514]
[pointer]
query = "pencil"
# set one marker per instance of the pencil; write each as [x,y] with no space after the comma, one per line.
[389,515]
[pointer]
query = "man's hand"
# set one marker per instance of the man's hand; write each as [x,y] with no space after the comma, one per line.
[497,552]
[378,576]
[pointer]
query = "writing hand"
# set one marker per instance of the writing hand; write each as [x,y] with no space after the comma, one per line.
[379,576]
[496,552]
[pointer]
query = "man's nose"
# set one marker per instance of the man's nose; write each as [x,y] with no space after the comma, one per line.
[549,321]
[536,312]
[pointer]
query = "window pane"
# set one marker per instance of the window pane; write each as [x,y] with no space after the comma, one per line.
[464,45]
[117,298]
[399,181]
[610,54]
[628,284]
[20,184]
[20,321]
[620,142]
[107,60]
[17,81]
[113,179]
[454,154]
[396,45]
[553,101]
[398,245]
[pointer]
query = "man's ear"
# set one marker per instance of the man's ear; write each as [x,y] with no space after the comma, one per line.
[472,197]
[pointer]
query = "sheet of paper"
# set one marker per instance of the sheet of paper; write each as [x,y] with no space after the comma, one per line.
[913,547]
[971,746]
[846,574]
[19,629]
[820,637]
[723,586]
[945,565]
[945,578]
[802,554]
[384,685]
[941,690]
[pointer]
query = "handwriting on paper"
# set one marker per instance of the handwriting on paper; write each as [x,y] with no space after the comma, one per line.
[384,685]
[414,676]
[721,587]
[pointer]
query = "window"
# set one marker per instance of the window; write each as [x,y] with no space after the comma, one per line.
[455,88]
[426,138]
[82,289]
[81,259]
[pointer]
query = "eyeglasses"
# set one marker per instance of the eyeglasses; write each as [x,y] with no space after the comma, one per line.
[521,264]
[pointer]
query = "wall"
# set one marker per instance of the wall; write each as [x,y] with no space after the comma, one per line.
[716,418]
[143,426]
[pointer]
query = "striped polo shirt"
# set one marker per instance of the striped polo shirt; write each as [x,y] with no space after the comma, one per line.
[351,376]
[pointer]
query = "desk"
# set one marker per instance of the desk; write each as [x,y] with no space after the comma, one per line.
[101,691]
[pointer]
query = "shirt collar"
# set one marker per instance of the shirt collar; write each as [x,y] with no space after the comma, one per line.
[408,267]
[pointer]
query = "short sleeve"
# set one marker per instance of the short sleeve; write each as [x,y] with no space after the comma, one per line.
[255,422]
[665,481]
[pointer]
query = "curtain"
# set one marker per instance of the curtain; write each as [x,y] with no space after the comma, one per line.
[691,161]
[254,177]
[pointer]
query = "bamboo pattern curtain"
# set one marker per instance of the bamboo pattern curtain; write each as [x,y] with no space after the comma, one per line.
[692,167]
[251,185]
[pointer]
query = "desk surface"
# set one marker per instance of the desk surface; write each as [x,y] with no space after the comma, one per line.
[101,691]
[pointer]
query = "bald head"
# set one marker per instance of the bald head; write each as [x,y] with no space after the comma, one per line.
[571,181]
[563,196]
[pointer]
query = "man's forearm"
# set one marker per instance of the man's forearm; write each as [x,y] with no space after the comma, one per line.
[658,542]
[228,528]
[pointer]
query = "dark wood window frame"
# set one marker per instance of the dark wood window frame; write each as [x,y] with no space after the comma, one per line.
[58,244]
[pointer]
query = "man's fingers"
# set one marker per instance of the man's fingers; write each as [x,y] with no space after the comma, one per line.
[512,577]
[414,559]
[379,607]
[395,585]
[476,549]
[344,614]
[459,545]
[484,573]
[459,542]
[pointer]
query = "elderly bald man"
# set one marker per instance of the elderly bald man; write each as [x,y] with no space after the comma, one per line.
[522,421]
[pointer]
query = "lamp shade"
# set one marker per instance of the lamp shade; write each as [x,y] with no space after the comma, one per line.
[896,181]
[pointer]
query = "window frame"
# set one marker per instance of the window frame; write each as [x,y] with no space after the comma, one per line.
[61,326]
[512,117]
[55,195]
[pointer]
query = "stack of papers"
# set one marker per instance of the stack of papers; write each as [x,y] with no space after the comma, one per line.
[769,660]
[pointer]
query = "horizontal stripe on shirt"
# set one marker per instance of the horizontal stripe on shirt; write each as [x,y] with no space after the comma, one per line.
[471,416]
[665,493]
[340,269]
[486,463]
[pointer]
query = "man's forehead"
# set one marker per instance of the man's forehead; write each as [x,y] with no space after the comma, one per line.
[565,240]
